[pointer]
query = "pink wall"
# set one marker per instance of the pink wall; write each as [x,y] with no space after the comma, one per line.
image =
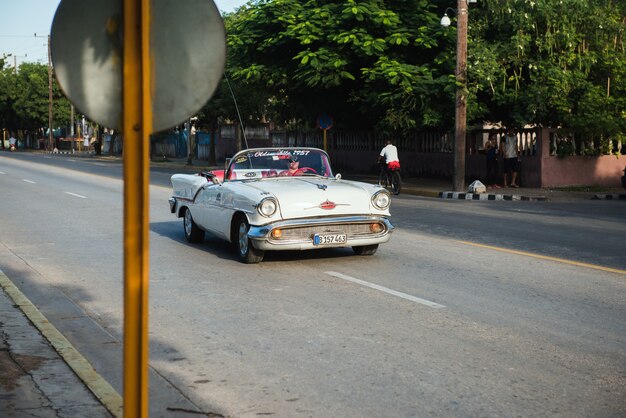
[605,170]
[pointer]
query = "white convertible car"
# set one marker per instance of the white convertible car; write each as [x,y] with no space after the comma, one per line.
[281,199]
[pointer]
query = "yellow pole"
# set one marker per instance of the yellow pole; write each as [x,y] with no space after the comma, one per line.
[325,147]
[137,124]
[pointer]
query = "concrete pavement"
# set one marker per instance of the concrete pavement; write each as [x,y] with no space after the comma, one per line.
[36,378]
[44,376]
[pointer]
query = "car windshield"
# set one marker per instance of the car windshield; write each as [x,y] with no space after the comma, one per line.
[279,162]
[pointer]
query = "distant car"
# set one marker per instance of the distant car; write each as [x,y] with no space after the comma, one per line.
[281,199]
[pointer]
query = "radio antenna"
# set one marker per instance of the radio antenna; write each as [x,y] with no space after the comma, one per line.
[243,131]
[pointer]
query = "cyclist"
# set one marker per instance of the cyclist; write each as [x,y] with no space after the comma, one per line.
[390,167]
[389,156]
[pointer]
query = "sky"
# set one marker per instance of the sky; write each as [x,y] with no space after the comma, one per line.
[22,19]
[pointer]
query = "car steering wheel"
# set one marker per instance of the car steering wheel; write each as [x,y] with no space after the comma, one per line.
[304,170]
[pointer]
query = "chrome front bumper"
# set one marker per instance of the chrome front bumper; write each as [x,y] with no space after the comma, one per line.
[298,234]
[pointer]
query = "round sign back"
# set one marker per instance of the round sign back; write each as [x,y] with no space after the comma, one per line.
[188,51]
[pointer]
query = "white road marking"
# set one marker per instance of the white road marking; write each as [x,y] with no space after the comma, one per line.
[2,172]
[386,290]
[76,195]
[29,181]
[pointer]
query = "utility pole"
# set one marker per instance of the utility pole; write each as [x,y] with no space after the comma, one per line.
[15,57]
[460,130]
[72,132]
[50,135]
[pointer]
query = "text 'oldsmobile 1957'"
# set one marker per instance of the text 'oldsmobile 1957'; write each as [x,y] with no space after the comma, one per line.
[281,199]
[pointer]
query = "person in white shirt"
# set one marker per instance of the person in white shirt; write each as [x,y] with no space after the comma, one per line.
[389,155]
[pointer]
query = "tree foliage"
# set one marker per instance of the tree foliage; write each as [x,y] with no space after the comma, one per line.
[550,63]
[24,98]
[363,62]
[389,64]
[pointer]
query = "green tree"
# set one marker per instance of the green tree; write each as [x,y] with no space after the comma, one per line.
[24,99]
[550,63]
[366,63]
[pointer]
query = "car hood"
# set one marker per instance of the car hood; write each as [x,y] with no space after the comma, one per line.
[319,196]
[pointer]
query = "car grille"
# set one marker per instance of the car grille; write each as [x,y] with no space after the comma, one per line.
[352,230]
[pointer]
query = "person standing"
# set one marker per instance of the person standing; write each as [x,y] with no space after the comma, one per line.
[491,152]
[509,150]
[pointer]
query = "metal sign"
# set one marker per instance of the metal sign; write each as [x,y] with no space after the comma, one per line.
[324,121]
[187,51]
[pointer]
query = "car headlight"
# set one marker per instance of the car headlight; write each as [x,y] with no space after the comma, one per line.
[381,200]
[267,207]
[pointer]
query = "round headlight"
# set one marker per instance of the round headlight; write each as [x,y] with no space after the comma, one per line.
[267,207]
[381,200]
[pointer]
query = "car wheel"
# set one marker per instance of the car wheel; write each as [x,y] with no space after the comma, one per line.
[247,253]
[365,249]
[193,233]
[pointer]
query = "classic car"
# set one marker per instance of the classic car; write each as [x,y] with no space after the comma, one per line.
[281,199]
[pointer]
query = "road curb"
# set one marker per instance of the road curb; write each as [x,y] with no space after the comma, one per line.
[489,196]
[614,196]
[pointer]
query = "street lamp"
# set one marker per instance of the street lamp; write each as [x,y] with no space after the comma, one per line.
[460,119]
[445,20]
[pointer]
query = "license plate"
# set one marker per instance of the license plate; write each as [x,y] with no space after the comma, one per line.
[327,239]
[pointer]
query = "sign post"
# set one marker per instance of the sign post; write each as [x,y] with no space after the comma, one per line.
[325,122]
[143,81]
[137,125]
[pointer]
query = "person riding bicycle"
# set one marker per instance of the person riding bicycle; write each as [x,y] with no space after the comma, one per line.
[389,156]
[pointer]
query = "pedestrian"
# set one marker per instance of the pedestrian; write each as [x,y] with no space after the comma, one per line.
[491,152]
[509,150]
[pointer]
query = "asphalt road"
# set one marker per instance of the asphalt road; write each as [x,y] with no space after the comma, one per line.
[432,325]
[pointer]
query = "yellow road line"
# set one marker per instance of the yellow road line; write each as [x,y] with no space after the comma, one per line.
[85,371]
[545,257]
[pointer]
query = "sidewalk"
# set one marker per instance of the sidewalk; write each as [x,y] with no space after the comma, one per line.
[437,188]
[35,380]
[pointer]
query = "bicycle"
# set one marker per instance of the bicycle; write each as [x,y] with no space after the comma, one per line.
[390,179]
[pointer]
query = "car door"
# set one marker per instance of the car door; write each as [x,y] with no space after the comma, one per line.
[206,204]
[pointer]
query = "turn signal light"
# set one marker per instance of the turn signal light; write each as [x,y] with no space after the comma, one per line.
[277,233]
[376,228]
